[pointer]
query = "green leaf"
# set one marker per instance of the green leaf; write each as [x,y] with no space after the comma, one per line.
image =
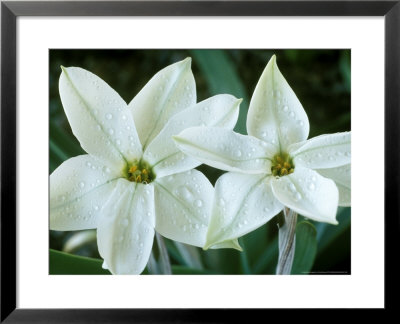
[244,261]
[62,146]
[334,243]
[182,270]
[265,240]
[306,248]
[328,233]
[64,263]
[222,77]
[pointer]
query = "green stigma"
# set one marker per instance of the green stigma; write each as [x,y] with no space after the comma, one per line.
[140,172]
[282,165]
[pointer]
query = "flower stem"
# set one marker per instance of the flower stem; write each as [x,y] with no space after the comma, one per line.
[287,242]
[164,262]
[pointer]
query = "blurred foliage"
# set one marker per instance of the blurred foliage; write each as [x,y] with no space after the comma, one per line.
[320,78]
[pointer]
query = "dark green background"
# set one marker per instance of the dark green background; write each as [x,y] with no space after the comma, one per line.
[320,79]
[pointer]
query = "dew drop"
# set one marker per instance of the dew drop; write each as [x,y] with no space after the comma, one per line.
[297,196]
[111,131]
[81,184]
[198,203]
[238,153]
[285,108]
[183,192]
[291,114]
[109,116]
[311,186]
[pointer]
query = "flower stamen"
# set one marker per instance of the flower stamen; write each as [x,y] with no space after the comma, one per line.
[282,165]
[140,172]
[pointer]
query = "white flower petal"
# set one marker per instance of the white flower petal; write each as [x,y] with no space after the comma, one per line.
[342,177]
[183,207]
[78,189]
[325,151]
[344,196]
[308,193]
[99,117]
[232,244]
[126,228]
[242,203]
[275,114]
[163,154]
[226,150]
[169,91]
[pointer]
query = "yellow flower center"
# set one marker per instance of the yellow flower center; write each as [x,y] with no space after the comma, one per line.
[282,165]
[140,172]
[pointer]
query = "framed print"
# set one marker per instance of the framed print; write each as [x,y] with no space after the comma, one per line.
[215,142]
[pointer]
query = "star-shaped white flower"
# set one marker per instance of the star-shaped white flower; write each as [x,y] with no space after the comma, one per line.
[274,166]
[134,180]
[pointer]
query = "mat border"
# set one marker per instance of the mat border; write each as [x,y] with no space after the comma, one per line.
[10,10]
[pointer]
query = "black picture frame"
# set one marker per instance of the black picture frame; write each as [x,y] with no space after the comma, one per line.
[11,10]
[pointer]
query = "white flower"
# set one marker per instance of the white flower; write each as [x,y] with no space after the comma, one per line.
[274,166]
[134,180]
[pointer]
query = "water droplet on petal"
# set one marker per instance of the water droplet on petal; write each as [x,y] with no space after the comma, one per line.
[198,203]
[81,184]
[311,186]
[109,116]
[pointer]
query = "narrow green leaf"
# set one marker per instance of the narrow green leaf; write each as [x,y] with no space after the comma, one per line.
[334,244]
[190,254]
[222,77]
[244,258]
[182,270]
[306,248]
[62,146]
[266,264]
[328,233]
[65,263]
